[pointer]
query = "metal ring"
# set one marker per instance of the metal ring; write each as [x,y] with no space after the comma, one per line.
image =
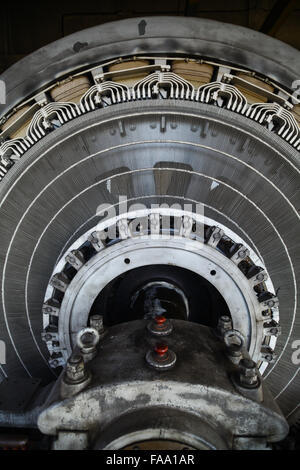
[236,334]
[85,331]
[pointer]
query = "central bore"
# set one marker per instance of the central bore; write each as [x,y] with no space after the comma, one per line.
[160,290]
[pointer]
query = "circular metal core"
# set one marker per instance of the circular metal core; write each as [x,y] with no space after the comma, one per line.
[196,252]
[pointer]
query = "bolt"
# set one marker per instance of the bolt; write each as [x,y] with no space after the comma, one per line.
[248,373]
[187,222]
[268,357]
[87,340]
[75,370]
[161,357]
[234,342]
[154,219]
[161,350]
[242,253]
[96,321]
[224,324]
[234,353]
[60,281]
[160,326]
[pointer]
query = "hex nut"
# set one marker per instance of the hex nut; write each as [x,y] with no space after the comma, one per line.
[248,373]
[75,369]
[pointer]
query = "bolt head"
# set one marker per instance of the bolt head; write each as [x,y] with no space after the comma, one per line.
[225,322]
[75,370]
[96,321]
[248,372]
[247,366]
[242,253]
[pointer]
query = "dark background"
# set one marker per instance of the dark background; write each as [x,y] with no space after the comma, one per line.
[26,26]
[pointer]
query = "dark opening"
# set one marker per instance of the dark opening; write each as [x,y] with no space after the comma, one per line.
[149,290]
